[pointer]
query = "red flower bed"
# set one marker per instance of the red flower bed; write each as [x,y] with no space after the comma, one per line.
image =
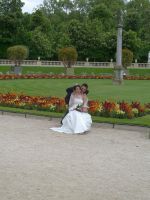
[55,104]
[46,76]
[33,102]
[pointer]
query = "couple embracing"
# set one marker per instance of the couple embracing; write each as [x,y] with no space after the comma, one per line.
[76,120]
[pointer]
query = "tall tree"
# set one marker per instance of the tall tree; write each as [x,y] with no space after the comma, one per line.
[11,6]
[10,20]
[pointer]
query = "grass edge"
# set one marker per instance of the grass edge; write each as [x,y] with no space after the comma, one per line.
[94,118]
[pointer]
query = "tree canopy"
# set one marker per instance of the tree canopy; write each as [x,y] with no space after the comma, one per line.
[87,25]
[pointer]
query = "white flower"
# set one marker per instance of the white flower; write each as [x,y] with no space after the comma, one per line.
[135,110]
[52,107]
[120,112]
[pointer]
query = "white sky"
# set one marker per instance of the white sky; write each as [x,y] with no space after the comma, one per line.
[30,5]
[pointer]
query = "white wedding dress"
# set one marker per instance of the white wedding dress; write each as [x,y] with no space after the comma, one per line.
[75,122]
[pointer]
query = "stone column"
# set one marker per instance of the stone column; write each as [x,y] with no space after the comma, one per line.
[118,69]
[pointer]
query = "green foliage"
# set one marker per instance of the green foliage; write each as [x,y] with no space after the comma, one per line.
[10,24]
[17,53]
[68,56]
[103,14]
[127,58]
[88,25]
[10,6]
[78,33]
[89,43]
[41,44]
[133,42]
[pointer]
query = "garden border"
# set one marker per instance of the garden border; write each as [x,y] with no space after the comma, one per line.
[59,76]
[145,130]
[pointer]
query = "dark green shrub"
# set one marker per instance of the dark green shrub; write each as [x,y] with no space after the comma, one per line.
[68,56]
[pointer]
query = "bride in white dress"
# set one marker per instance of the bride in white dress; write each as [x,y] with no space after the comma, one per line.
[77,121]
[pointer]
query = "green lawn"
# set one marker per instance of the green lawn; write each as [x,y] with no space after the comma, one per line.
[139,72]
[140,121]
[99,89]
[78,71]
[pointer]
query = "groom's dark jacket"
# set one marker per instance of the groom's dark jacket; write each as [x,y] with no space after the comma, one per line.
[69,92]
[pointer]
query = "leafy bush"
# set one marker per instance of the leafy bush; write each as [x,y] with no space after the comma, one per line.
[68,56]
[127,58]
[17,53]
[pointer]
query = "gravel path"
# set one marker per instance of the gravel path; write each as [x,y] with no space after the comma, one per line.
[38,164]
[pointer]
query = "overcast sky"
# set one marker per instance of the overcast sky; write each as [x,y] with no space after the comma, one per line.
[30,5]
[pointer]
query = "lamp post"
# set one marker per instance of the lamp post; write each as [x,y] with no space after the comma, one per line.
[118,69]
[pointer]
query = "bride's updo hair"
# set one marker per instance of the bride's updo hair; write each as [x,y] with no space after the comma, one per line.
[74,88]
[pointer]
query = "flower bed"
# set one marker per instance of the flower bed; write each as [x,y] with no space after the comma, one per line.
[33,102]
[55,104]
[46,76]
[118,110]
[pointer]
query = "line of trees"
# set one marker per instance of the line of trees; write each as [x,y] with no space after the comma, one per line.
[87,25]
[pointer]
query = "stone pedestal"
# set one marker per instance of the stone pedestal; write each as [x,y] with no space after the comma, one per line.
[69,71]
[86,64]
[16,70]
[111,63]
[39,63]
[135,63]
[118,76]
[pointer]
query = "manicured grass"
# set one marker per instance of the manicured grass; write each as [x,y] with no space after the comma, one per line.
[60,70]
[43,70]
[140,121]
[4,69]
[78,70]
[139,72]
[33,112]
[93,71]
[132,90]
